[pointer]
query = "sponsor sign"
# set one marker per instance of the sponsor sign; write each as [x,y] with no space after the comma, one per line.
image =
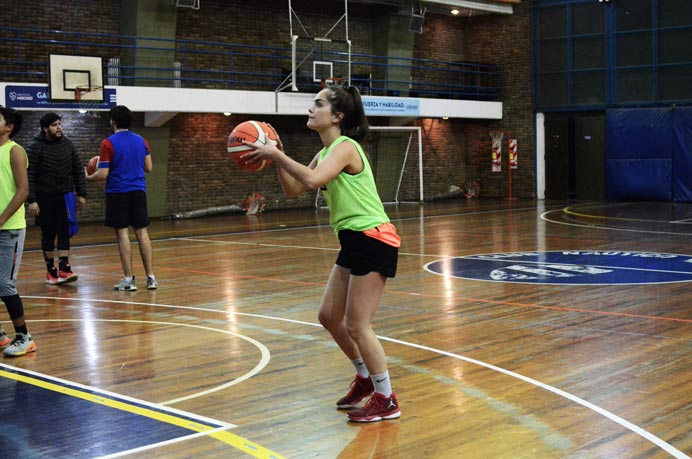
[18,96]
[391,106]
[577,267]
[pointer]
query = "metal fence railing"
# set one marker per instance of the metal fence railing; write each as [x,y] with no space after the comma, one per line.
[145,61]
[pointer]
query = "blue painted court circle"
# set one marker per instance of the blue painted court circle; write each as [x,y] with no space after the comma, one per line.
[569,267]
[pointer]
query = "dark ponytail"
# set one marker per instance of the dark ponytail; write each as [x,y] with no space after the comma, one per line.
[349,103]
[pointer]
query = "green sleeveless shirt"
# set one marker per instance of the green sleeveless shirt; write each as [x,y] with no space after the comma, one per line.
[353,201]
[8,188]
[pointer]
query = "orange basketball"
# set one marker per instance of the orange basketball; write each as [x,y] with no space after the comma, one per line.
[92,165]
[252,132]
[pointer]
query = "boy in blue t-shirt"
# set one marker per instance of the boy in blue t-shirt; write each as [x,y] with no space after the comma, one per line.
[124,159]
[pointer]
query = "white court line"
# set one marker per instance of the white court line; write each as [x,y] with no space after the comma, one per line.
[255,244]
[264,361]
[607,414]
[262,244]
[613,417]
[555,263]
[162,443]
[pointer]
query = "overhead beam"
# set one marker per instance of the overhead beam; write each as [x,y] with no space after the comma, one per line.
[471,5]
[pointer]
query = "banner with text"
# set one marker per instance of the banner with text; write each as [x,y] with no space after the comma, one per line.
[391,106]
[19,96]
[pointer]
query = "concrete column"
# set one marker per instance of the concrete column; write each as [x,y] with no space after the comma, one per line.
[153,19]
[394,40]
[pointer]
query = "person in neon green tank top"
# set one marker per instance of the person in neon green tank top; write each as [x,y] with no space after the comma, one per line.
[369,243]
[14,189]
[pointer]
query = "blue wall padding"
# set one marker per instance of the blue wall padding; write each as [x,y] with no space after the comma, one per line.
[639,179]
[639,133]
[682,155]
[639,149]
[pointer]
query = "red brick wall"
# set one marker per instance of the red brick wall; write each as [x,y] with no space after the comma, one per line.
[85,16]
[199,173]
[493,39]
[86,132]
[505,41]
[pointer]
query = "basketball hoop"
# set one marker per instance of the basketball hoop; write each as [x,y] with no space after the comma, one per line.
[496,136]
[89,98]
[88,92]
[471,188]
[334,82]
[254,203]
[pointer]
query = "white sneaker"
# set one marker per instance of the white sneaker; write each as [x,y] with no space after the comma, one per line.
[21,344]
[151,283]
[125,285]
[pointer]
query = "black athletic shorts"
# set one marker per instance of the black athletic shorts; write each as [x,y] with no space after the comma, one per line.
[127,209]
[363,254]
[53,211]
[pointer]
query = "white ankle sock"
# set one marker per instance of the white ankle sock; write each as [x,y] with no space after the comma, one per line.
[360,367]
[382,383]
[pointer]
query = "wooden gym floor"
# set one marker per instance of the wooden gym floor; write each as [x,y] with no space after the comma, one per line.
[514,329]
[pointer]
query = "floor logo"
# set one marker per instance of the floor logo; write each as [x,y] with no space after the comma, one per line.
[581,267]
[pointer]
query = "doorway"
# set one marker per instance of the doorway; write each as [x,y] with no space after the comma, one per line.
[575,156]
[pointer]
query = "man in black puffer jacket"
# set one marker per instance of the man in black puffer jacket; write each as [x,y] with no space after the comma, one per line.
[55,177]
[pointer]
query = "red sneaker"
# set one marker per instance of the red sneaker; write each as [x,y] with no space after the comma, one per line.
[52,278]
[360,388]
[65,277]
[378,408]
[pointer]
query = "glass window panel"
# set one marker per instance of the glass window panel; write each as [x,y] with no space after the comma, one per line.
[674,83]
[635,85]
[674,13]
[552,22]
[552,56]
[633,49]
[633,14]
[675,46]
[588,18]
[589,53]
[589,88]
[552,90]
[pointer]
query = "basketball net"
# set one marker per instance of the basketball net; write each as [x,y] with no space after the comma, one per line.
[86,92]
[87,99]
[254,204]
[471,189]
[497,150]
[335,82]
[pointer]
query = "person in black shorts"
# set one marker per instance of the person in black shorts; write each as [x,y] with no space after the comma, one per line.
[124,159]
[56,190]
[369,242]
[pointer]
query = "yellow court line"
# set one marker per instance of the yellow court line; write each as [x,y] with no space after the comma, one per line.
[604,217]
[236,441]
[255,450]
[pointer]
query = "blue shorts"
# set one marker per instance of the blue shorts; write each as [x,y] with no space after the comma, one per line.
[363,254]
[11,249]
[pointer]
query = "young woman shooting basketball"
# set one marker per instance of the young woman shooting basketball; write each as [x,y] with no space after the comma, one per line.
[369,242]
